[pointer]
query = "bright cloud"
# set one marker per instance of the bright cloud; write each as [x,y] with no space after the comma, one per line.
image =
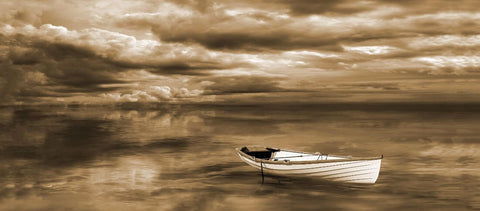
[371,50]
[153,94]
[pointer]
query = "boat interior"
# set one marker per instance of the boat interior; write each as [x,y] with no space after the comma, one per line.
[266,153]
[261,153]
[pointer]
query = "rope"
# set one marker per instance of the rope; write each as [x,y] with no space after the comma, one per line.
[261,167]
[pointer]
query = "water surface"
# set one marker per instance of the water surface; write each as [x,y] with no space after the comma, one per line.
[182,158]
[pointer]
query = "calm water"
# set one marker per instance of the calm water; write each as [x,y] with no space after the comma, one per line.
[183,158]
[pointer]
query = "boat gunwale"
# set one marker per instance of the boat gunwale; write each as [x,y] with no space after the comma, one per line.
[284,162]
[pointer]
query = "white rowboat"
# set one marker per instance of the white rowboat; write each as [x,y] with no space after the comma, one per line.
[291,163]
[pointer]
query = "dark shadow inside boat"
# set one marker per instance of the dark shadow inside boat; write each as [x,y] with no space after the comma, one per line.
[264,153]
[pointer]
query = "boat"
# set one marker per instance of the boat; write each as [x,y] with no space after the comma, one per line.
[329,167]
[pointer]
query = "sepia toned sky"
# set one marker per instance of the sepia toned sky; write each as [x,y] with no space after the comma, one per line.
[258,51]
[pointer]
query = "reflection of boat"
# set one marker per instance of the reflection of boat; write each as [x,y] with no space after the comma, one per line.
[291,163]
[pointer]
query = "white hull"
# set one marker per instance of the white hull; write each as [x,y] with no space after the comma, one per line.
[363,170]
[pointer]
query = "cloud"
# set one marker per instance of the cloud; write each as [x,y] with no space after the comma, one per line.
[451,64]
[299,7]
[247,30]
[83,61]
[308,7]
[56,65]
[228,48]
[153,94]
[466,45]
[311,53]
[367,86]
[242,84]
[370,50]
[222,31]
[428,6]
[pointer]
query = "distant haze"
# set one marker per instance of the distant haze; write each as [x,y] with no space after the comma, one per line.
[277,51]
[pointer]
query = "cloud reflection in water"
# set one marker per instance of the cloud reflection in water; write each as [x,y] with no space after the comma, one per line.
[183,158]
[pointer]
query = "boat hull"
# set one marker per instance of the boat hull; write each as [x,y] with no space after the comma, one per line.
[347,170]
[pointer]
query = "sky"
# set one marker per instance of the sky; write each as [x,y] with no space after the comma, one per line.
[239,52]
